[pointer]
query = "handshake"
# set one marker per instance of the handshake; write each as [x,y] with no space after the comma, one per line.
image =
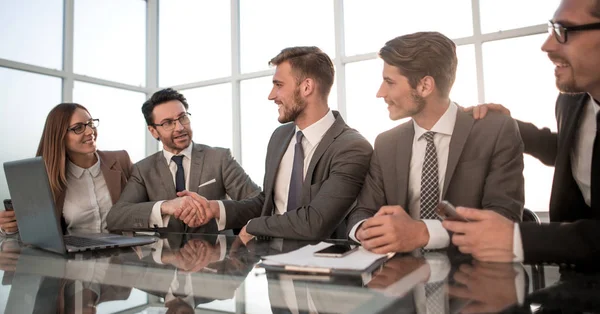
[191,208]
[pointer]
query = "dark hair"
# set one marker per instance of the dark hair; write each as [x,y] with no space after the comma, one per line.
[160,97]
[308,62]
[423,54]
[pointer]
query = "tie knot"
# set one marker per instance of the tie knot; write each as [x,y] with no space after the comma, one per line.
[428,136]
[178,160]
[299,136]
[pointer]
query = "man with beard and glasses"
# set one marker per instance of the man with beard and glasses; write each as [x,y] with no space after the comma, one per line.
[163,187]
[315,163]
[442,153]
[573,234]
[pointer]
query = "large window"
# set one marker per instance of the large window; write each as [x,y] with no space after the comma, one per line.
[23,114]
[111,55]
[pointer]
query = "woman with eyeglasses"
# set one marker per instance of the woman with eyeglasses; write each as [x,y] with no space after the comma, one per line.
[85,182]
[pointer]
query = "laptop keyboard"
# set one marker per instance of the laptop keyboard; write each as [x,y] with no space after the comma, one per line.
[84,242]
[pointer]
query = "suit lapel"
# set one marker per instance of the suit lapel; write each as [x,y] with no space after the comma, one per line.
[164,175]
[402,164]
[196,167]
[334,131]
[460,134]
[111,176]
[274,158]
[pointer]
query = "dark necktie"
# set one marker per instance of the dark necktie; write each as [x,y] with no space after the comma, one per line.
[179,175]
[430,192]
[595,180]
[297,174]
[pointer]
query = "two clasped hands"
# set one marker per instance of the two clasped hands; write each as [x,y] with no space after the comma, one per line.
[191,208]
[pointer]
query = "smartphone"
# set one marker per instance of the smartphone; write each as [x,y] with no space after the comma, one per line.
[8,205]
[337,250]
[445,210]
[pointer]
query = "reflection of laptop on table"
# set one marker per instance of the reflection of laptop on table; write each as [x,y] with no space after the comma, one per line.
[39,224]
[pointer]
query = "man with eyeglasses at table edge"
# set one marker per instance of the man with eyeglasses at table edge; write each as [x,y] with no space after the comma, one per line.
[573,234]
[152,198]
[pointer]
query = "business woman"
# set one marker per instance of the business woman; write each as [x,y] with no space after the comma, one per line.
[85,182]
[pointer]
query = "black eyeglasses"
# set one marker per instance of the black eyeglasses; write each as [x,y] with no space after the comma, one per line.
[169,125]
[560,32]
[79,128]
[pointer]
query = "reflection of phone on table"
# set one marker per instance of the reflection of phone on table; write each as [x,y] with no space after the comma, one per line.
[337,250]
[445,210]
[8,205]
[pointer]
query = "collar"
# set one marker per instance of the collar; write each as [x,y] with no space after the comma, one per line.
[596,106]
[315,132]
[445,125]
[77,171]
[187,152]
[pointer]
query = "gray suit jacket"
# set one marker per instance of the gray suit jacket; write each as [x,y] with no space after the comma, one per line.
[334,178]
[484,170]
[151,181]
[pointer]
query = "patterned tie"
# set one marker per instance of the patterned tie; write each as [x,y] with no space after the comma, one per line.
[297,174]
[435,297]
[595,181]
[179,175]
[430,193]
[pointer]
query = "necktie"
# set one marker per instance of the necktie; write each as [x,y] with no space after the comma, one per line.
[297,174]
[595,181]
[179,175]
[430,192]
[435,297]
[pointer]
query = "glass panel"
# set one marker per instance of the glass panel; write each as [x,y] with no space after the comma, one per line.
[211,114]
[370,24]
[122,124]
[110,40]
[136,298]
[269,26]
[194,41]
[501,15]
[370,116]
[32,32]
[529,94]
[259,120]
[26,100]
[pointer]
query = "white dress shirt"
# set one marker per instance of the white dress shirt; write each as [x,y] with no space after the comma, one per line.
[87,199]
[311,139]
[156,218]
[443,128]
[581,165]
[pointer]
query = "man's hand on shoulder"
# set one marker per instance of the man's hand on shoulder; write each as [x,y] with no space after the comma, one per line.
[480,111]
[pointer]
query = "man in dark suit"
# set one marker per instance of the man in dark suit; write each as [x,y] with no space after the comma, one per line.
[154,197]
[573,235]
[442,153]
[315,164]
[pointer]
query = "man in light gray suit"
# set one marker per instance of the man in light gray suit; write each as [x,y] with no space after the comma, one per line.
[315,164]
[154,195]
[442,153]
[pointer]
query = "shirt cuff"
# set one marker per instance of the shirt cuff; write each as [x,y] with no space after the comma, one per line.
[157,249]
[438,236]
[222,241]
[222,217]
[354,229]
[439,266]
[156,218]
[520,283]
[518,245]
[6,233]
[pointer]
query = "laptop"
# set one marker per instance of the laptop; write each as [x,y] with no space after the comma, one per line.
[39,224]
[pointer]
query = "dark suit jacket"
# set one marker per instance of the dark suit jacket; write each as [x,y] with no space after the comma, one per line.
[334,177]
[578,239]
[484,170]
[151,181]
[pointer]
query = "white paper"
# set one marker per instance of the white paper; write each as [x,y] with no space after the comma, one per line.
[304,257]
